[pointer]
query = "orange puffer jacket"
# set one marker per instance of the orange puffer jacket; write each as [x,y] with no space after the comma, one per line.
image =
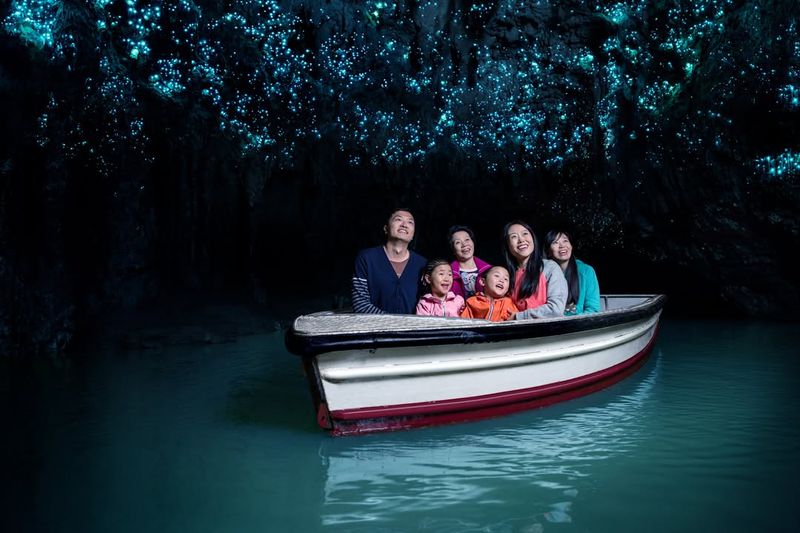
[494,309]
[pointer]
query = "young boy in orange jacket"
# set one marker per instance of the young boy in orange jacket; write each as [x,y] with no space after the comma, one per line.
[493,304]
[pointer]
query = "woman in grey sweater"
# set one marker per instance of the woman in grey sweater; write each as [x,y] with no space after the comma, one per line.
[538,286]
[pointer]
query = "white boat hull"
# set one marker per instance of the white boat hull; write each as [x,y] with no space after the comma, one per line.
[368,388]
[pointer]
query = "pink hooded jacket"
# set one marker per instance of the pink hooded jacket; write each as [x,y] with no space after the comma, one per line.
[433,306]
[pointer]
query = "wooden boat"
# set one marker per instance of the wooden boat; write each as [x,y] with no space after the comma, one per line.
[387,372]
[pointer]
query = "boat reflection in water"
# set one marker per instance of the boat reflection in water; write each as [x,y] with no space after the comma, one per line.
[522,472]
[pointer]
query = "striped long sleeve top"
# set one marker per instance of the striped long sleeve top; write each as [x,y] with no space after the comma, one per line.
[378,289]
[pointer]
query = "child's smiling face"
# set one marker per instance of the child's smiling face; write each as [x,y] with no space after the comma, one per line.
[440,280]
[497,282]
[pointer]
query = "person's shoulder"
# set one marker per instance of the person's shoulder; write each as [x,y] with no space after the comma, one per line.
[549,265]
[482,265]
[453,297]
[372,251]
[553,273]
[417,258]
[584,266]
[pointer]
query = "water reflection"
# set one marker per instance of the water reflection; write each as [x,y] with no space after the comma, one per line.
[534,465]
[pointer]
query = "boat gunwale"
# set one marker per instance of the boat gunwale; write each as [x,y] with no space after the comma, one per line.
[306,345]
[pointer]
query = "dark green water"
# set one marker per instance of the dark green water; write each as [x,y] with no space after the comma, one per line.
[221,437]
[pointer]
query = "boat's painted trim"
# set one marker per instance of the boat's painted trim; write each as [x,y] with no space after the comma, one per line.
[401,369]
[412,415]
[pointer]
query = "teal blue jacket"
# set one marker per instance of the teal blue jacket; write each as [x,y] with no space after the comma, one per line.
[589,295]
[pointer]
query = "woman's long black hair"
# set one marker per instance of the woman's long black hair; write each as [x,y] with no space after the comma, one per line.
[571,273]
[533,270]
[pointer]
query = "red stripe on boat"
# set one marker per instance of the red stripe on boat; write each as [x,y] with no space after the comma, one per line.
[405,416]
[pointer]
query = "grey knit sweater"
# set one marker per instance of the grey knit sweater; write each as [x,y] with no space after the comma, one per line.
[557,293]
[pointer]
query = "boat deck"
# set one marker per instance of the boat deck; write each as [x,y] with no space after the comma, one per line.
[346,323]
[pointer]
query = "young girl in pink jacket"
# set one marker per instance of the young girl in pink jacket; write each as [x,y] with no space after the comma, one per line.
[440,301]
